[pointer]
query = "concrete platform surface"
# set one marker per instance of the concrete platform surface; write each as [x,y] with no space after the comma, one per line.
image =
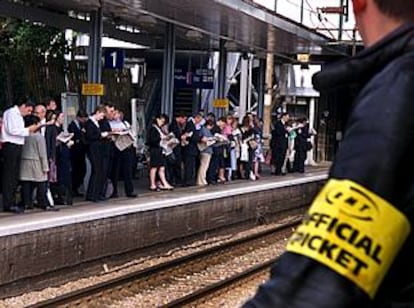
[84,212]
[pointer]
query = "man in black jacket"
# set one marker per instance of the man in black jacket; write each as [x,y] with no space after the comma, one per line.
[279,143]
[78,151]
[301,148]
[190,139]
[107,145]
[177,127]
[355,247]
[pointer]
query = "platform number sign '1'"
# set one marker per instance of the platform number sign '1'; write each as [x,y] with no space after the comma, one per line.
[114,58]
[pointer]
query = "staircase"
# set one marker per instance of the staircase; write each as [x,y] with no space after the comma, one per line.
[183,101]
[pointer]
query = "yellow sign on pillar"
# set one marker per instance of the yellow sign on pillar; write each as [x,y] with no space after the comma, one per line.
[92,89]
[221,103]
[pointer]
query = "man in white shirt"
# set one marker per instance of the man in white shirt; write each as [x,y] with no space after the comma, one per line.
[122,160]
[13,135]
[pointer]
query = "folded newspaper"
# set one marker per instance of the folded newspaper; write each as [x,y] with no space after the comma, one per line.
[124,141]
[64,137]
[221,140]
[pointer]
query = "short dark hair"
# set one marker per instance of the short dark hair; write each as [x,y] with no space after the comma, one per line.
[209,123]
[161,116]
[82,114]
[400,9]
[31,120]
[24,101]
[180,115]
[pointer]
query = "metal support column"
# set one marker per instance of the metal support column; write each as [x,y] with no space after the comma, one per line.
[167,94]
[302,9]
[244,83]
[95,57]
[341,21]
[261,87]
[310,159]
[222,73]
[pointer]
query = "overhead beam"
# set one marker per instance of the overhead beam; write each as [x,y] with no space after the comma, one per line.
[63,21]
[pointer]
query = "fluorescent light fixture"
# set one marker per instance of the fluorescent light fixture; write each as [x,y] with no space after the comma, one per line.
[147,20]
[194,35]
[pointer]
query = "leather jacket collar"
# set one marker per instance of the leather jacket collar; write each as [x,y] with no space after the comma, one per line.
[358,70]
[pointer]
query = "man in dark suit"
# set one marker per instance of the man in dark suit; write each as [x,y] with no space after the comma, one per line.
[78,151]
[301,142]
[177,127]
[218,152]
[279,143]
[107,145]
[191,136]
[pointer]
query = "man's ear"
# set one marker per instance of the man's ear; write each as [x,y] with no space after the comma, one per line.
[359,6]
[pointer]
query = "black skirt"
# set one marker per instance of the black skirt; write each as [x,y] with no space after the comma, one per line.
[157,159]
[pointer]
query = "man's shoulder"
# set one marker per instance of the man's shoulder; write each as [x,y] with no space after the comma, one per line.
[9,111]
[400,66]
[395,80]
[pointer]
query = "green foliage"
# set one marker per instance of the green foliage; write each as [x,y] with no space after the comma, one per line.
[23,39]
[25,50]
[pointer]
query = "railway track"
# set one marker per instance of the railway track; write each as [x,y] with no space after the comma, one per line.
[105,292]
[223,286]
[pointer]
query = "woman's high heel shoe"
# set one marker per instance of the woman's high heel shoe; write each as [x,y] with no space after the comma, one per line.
[166,188]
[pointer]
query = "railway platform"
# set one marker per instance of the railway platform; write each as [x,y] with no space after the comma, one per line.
[42,248]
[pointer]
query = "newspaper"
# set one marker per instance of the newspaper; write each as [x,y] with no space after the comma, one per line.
[64,137]
[124,141]
[204,145]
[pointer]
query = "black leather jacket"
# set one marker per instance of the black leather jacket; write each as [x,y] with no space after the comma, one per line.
[376,156]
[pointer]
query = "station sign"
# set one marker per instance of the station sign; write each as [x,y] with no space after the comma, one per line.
[334,10]
[114,58]
[180,79]
[203,79]
[221,103]
[93,89]
[200,79]
[303,57]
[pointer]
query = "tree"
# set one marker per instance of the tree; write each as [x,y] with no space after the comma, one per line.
[32,59]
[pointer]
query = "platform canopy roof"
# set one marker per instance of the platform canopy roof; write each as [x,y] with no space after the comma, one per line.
[246,26]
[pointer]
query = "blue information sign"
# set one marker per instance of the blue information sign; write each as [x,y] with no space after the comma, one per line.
[114,58]
[201,79]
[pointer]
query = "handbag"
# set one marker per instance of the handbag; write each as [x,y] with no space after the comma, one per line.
[253,144]
[309,146]
[244,152]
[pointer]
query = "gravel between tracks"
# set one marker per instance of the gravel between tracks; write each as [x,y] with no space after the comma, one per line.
[237,296]
[141,263]
[179,286]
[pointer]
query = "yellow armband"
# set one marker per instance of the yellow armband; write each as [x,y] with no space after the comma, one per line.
[352,231]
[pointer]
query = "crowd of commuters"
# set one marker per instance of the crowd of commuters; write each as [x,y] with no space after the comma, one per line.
[202,150]
[49,164]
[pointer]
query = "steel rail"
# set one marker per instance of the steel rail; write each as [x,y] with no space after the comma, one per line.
[96,290]
[218,286]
